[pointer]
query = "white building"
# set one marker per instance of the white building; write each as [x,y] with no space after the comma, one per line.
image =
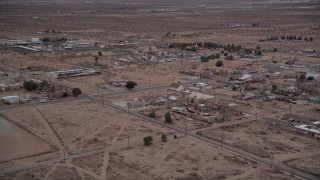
[35,40]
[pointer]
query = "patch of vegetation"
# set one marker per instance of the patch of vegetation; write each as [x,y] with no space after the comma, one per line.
[230,57]
[219,63]
[204,59]
[30,85]
[76,92]
[163,138]
[167,117]
[130,85]
[152,114]
[148,140]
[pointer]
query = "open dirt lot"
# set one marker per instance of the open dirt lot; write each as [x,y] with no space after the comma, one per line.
[181,158]
[264,139]
[95,127]
[17,143]
[87,127]
[155,43]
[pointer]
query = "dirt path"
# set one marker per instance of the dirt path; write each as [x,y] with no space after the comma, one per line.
[51,170]
[106,155]
[80,174]
[81,170]
[49,129]
[246,175]
[298,155]
[85,136]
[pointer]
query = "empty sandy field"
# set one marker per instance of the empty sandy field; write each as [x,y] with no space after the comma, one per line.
[264,139]
[17,143]
[181,158]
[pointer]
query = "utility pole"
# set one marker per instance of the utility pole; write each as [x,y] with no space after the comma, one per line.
[64,155]
[129,142]
[290,112]
[202,97]
[186,128]
[271,160]
[149,88]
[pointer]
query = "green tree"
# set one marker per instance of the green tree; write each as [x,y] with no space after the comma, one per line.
[152,114]
[302,77]
[99,53]
[275,50]
[163,138]
[204,59]
[30,85]
[76,92]
[310,78]
[148,140]
[219,63]
[258,52]
[167,117]
[130,85]
[192,101]
[274,88]
[65,94]
[217,55]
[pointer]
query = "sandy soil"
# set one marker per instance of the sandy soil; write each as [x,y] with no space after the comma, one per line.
[305,162]
[17,143]
[85,126]
[182,158]
[263,139]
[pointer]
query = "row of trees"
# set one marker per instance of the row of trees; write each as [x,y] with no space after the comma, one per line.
[54,40]
[148,139]
[33,86]
[53,31]
[210,45]
[275,38]
[167,117]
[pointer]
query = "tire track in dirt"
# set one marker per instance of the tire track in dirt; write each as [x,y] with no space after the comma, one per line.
[49,129]
[106,155]
[48,173]
[96,176]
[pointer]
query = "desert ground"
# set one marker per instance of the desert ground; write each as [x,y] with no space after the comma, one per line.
[62,127]
[262,104]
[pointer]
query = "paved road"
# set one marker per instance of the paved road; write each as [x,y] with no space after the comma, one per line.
[28,105]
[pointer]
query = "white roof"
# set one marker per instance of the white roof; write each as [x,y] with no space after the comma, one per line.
[305,127]
[173,98]
[245,76]
[316,122]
